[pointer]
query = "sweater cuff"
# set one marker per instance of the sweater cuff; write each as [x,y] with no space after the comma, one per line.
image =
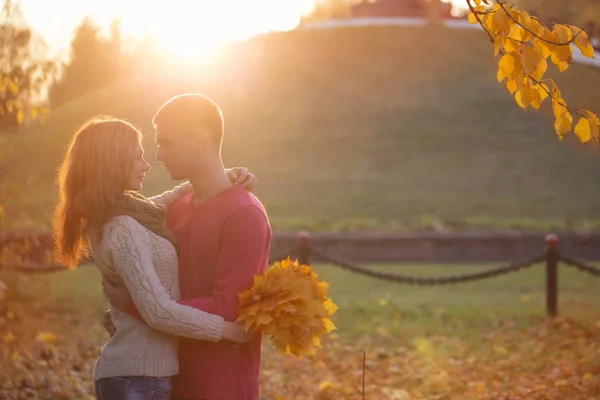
[213,325]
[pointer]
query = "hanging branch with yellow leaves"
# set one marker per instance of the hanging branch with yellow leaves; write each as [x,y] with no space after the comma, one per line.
[9,91]
[525,43]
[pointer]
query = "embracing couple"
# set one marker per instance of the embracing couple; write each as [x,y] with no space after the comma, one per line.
[172,265]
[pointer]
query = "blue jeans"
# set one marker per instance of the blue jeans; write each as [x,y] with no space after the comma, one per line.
[134,388]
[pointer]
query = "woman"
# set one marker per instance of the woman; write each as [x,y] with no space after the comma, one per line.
[127,234]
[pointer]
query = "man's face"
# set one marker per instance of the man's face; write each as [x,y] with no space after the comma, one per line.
[180,153]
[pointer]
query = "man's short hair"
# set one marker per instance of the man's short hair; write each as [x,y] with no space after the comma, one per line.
[189,112]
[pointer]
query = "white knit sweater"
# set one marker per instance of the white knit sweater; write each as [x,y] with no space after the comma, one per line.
[147,264]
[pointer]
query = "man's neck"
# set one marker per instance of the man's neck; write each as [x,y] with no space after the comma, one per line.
[209,183]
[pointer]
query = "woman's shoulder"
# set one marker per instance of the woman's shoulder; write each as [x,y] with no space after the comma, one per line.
[116,228]
[121,223]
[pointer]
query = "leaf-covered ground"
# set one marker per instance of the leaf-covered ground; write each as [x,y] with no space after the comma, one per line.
[51,337]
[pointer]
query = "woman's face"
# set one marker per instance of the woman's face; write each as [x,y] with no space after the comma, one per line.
[140,167]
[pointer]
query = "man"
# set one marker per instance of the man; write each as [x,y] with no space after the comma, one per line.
[224,238]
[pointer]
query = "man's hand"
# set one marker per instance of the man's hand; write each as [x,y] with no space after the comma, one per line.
[116,294]
[241,176]
[108,323]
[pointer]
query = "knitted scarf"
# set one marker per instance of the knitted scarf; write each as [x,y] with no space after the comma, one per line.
[147,213]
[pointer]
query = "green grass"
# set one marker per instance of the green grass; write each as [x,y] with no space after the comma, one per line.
[363,128]
[386,310]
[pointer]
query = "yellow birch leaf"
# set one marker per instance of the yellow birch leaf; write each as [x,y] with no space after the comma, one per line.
[500,75]
[563,33]
[33,111]
[542,48]
[563,124]
[537,27]
[583,130]
[594,124]
[561,57]
[582,42]
[529,59]
[477,2]
[536,99]
[555,90]
[510,64]
[558,107]
[517,33]
[548,35]
[521,80]
[472,18]
[489,22]
[542,90]
[526,21]
[511,45]
[540,69]
[591,116]
[524,97]
[498,44]
[519,100]
[511,85]
[502,20]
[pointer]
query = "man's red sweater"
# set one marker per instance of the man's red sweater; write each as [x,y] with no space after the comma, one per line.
[223,243]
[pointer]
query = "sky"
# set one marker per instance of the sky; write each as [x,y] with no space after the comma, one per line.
[207,21]
[201,23]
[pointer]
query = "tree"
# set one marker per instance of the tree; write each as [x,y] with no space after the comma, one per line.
[96,61]
[24,70]
[524,44]
[24,75]
[575,11]
[329,9]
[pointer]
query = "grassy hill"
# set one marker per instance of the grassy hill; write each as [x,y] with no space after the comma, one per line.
[387,127]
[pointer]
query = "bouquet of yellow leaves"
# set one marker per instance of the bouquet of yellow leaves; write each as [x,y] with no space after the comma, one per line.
[290,305]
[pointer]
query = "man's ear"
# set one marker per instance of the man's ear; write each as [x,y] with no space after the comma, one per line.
[202,141]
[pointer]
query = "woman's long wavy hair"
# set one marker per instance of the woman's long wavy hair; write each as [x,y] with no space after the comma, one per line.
[96,169]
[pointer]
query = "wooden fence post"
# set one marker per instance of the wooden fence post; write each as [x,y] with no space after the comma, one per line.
[552,258]
[303,251]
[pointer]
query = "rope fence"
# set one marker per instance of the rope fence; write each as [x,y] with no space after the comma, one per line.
[305,253]
[420,280]
[551,257]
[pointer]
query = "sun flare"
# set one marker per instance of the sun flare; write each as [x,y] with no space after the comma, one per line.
[193,30]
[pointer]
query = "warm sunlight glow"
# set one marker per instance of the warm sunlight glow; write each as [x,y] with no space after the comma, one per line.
[184,29]
[192,29]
